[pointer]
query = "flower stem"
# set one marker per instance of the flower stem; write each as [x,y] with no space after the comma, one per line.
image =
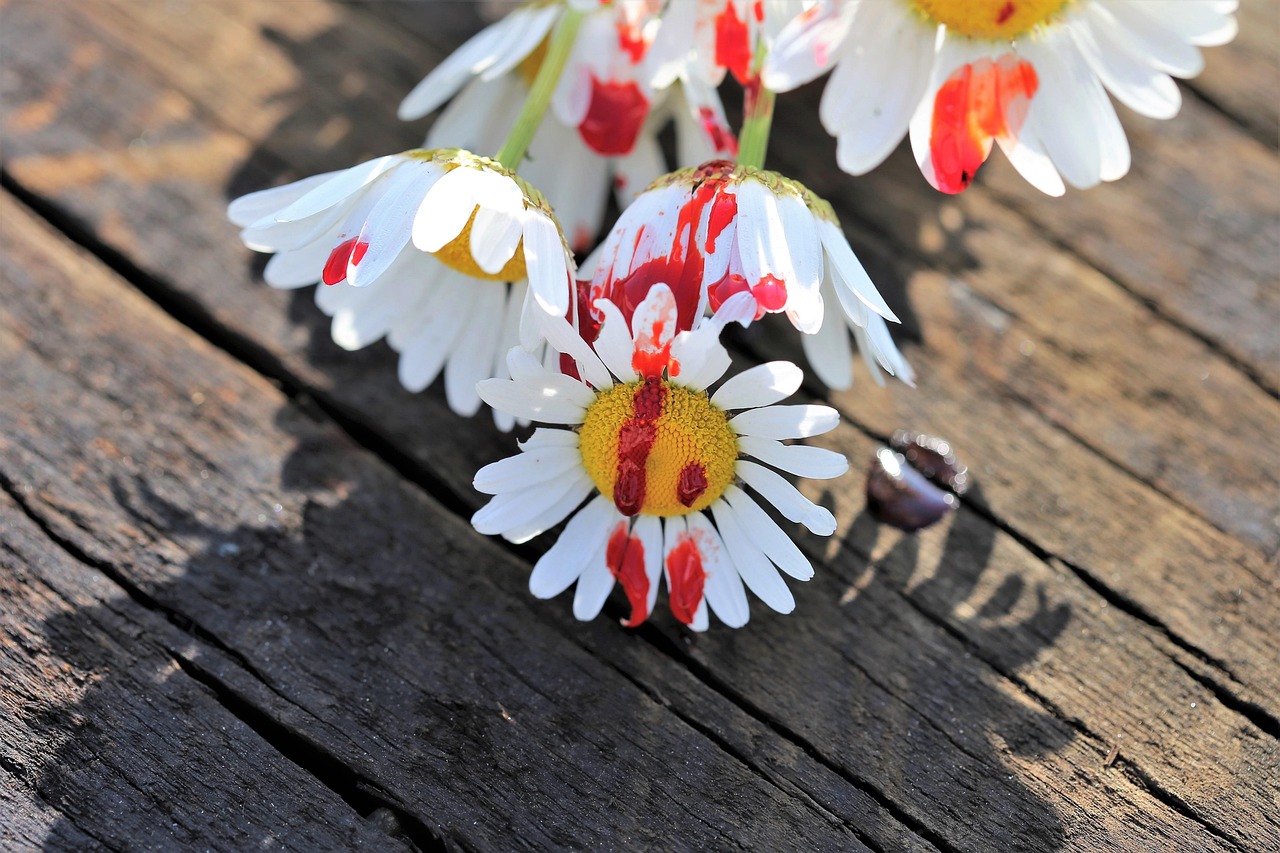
[535,106]
[757,117]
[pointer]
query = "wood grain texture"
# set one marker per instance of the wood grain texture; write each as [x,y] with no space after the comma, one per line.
[958,690]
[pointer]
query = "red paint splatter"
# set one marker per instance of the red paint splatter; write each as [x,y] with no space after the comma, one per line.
[733,45]
[978,103]
[614,117]
[625,558]
[692,483]
[682,269]
[347,252]
[1006,12]
[757,9]
[588,326]
[721,137]
[631,41]
[635,441]
[685,580]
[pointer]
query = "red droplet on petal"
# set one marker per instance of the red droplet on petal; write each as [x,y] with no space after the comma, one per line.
[978,103]
[335,269]
[685,579]
[692,483]
[1006,12]
[625,558]
[731,285]
[614,116]
[733,46]
[757,9]
[770,294]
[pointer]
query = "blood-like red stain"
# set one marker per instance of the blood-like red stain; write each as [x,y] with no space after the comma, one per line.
[625,558]
[348,251]
[770,294]
[682,268]
[757,9]
[686,579]
[614,116]
[978,103]
[635,441]
[731,285]
[733,46]
[721,137]
[631,41]
[692,483]
[652,362]
[588,326]
[1006,12]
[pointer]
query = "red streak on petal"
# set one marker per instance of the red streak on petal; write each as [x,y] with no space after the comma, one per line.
[724,210]
[648,360]
[635,441]
[733,47]
[686,579]
[614,117]
[758,11]
[335,269]
[692,483]
[978,103]
[625,558]
[770,294]
[721,137]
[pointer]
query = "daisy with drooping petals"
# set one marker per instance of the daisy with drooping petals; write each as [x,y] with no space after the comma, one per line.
[721,229]
[1029,75]
[431,239]
[663,459]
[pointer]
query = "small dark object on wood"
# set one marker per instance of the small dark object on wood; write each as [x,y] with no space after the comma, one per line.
[915,481]
[1112,755]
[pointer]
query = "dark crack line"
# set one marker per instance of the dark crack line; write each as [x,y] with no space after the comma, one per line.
[357,791]
[1257,132]
[1172,800]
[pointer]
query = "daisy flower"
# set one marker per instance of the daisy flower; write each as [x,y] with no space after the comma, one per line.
[1030,75]
[434,249]
[721,229]
[664,461]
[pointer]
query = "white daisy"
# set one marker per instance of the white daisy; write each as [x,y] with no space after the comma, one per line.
[1026,74]
[419,247]
[721,229]
[664,461]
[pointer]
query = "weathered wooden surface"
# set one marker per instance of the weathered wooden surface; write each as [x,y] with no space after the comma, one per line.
[238,557]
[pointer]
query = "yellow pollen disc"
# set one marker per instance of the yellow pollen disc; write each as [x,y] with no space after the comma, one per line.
[658,449]
[457,254]
[990,19]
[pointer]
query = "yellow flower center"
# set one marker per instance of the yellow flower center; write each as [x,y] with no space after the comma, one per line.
[658,449]
[990,19]
[457,254]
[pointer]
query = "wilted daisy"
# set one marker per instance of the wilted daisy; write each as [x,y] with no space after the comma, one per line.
[1026,74]
[722,229]
[418,246]
[664,461]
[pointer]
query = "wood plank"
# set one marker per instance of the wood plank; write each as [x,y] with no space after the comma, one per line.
[1243,84]
[1066,515]
[107,743]
[468,703]
[119,475]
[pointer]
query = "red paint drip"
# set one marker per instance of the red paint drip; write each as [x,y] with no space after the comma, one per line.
[614,117]
[721,137]
[1006,12]
[625,558]
[770,294]
[635,441]
[978,103]
[685,579]
[682,269]
[588,326]
[733,45]
[335,269]
[692,483]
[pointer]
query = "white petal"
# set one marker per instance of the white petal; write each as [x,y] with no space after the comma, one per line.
[829,352]
[848,277]
[595,583]
[648,529]
[614,344]
[757,572]
[512,509]
[762,385]
[565,339]
[297,267]
[816,463]
[722,590]
[525,469]
[338,188]
[553,403]
[1126,73]
[426,349]
[473,354]
[786,421]
[788,500]
[552,513]
[386,232]
[248,209]
[805,47]
[561,565]
[767,535]
[548,268]
[1153,37]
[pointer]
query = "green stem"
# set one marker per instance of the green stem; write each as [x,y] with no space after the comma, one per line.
[535,106]
[757,118]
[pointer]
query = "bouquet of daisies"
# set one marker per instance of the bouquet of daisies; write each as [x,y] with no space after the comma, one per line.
[464,253]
